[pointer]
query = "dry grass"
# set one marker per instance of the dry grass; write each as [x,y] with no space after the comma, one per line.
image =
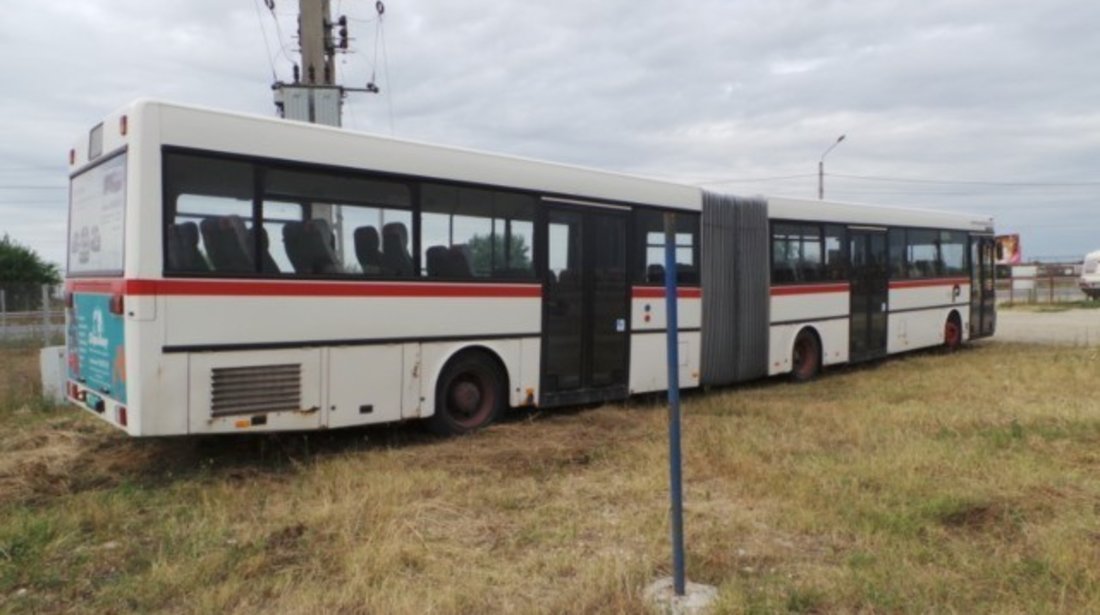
[930,483]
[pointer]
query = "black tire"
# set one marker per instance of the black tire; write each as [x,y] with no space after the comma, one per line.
[805,357]
[470,394]
[952,333]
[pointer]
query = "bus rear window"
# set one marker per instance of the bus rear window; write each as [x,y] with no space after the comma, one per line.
[97,207]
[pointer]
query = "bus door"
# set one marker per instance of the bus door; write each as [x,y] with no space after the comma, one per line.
[586,306]
[870,291]
[983,296]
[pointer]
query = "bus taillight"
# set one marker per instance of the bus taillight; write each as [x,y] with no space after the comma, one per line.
[122,415]
[117,304]
[123,124]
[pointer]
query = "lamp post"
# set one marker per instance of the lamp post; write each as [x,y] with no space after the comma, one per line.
[821,169]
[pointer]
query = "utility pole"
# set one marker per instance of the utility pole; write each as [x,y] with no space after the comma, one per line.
[314,96]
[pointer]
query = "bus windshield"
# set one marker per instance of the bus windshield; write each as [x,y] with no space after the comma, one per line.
[97,205]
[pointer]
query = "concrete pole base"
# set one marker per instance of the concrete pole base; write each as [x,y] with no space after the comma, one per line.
[697,598]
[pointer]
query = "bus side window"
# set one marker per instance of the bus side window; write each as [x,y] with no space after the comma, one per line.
[208,215]
[470,233]
[335,224]
[836,261]
[650,242]
[897,250]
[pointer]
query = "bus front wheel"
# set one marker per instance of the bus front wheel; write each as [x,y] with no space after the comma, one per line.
[806,357]
[469,396]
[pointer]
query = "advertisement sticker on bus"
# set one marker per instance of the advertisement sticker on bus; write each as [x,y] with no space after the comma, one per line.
[96,353]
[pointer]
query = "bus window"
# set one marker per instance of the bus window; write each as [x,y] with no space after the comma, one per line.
[796,253]
[324,224]
[209,215]
[836,261]
[953,253]
[650,239]
[476,233]
[896,241]
[923,253]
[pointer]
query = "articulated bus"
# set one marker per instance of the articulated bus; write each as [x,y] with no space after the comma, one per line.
[232,273]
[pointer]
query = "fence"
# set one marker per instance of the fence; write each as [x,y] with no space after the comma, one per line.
[31,313]
[1051,283]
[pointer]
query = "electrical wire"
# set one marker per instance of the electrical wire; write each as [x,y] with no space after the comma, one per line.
[279,32]
[34,187]
[267,45]
[386,72]
[756,179]
[918,180]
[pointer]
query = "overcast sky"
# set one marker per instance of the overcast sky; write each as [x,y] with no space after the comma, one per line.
[991,107]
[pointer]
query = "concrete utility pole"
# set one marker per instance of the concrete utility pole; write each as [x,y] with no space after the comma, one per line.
[314,19]
[314,96]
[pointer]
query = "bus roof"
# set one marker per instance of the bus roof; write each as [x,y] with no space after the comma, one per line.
[236,133]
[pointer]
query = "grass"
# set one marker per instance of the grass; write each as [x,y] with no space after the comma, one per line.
[930,483]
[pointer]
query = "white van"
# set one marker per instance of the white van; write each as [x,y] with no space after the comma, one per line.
[1090,275]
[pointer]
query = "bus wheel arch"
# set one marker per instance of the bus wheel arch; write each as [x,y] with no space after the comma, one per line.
[471,391]
[952,331]
[806,355]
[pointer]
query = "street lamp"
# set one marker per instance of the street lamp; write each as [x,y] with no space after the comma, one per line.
[821,169]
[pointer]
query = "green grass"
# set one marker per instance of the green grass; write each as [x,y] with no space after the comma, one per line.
[929,483]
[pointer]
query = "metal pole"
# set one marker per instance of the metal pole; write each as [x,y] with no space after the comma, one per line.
[45,314]
[821,168]
[821,179]
[674,461]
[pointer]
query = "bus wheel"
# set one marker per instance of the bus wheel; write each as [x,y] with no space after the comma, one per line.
[806,357]
[952,333]
[469,396]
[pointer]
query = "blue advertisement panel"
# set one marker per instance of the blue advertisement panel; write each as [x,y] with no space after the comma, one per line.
[96,353]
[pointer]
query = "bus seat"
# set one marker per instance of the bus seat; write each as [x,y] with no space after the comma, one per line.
[227,244]
[396,259]
[309,246]
[655,273]
[268,263]
[367,250]
[183,248]
[784,272]
[460,261]
[436,257]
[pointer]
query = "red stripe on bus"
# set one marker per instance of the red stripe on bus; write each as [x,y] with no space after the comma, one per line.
[652,292]
[926,283]
[238,288]
[809,289]
[101,287]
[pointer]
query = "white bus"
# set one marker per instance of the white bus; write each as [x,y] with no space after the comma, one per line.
[232,273]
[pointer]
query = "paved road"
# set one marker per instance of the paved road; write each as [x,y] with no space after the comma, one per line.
[1075,327]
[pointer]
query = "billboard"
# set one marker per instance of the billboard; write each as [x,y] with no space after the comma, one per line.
[1008,250]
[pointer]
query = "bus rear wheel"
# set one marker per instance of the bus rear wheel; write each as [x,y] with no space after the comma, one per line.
[469,396]
[952,333]
[806,357]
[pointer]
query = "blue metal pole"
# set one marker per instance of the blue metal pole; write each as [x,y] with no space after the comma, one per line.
[674,462]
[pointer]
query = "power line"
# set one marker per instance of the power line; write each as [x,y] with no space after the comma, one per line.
[267,45]
[28,187]
[756,179]
[918,180]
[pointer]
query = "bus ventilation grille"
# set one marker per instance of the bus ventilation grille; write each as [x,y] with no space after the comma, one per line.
[259,388]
